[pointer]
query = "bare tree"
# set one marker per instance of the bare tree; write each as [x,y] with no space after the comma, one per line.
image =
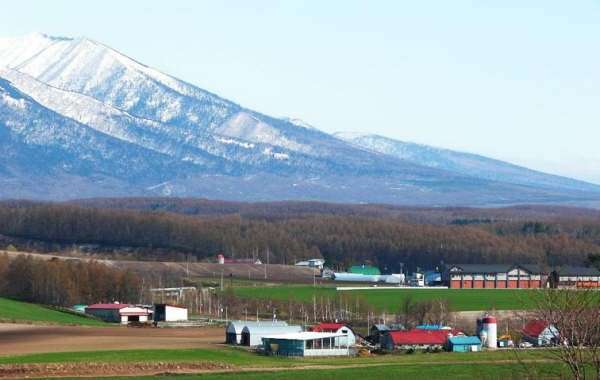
[575,314]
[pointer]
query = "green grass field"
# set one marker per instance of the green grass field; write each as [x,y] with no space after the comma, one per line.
[453,371]
[16,311]
[241,357]
[483,365]
[390,300]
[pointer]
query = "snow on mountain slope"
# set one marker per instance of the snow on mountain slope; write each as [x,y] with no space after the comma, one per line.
[462,163]
[74,111]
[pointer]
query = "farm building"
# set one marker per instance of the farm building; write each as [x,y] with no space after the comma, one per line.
[500,276]
[117,312]
[338,328]
[377,330]
[415,338]
[252,334]
[575,277]
[307,344]
[365,270]
[312,263]
[170,313]
[540,333]
[233,331]
[462,343]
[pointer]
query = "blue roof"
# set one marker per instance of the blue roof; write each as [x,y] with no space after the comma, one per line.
[429,327]
[470,340]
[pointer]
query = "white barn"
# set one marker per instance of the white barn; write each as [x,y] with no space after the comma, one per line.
[233,331]
[252,334]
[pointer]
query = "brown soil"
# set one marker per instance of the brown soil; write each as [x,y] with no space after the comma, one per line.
[275,272]
[104,369]
[24,339]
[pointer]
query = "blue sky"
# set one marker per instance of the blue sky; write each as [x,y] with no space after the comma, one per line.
[515,80]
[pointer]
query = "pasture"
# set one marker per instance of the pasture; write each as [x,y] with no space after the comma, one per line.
[392,300]
[16,311]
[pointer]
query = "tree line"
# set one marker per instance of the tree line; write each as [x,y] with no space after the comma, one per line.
[66,282]
[386,241]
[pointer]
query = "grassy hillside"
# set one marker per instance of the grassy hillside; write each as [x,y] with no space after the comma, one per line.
[391,299]
[15,311]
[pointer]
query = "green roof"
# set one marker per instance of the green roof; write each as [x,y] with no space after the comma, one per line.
[364,269]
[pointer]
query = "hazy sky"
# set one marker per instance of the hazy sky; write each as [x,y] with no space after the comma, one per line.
[516,80]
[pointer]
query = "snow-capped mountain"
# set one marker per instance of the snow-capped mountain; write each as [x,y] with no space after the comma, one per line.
[78,118]
[466,164]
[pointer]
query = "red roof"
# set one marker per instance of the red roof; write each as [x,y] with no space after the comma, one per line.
[419,337]
[327,327]
[112,306]
[535,327]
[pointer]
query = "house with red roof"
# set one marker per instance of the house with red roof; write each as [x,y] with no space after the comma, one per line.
[337,328]
[540,333]
[118,312]
[415,338]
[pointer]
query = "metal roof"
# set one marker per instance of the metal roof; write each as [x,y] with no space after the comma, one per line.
[535,327]
[419,337]
[577,271]
[238,326]
[464,340]
[483,268]
[381,327]
[270,329]
[110,306]
[497,268]
[304,335]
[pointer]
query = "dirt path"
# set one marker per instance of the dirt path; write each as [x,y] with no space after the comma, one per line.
[26,339]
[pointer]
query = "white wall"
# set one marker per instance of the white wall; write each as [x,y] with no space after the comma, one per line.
[173,314]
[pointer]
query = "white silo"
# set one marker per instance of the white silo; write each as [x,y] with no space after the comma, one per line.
[490,326]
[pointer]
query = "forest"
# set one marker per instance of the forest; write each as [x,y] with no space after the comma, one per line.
[64,283]
[176,229]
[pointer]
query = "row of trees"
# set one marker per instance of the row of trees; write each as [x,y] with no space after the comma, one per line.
[64,283]
[341,240]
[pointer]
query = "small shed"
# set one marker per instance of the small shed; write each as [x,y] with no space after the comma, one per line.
[118,312]
[170,313]
[540,333]
[252,334]
[338,328]
[307,344]
[462,343]
[233,331]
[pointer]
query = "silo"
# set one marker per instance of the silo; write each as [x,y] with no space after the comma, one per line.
[490,326]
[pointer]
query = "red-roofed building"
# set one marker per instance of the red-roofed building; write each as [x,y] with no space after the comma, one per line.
[540,333]
[334,327]
[118,312]
[415,338]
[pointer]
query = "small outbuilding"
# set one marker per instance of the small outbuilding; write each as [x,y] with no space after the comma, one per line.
[307,344]
[540,333]
[118,312]
[252,334]
[170,313]
[462,343]
[233,331]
